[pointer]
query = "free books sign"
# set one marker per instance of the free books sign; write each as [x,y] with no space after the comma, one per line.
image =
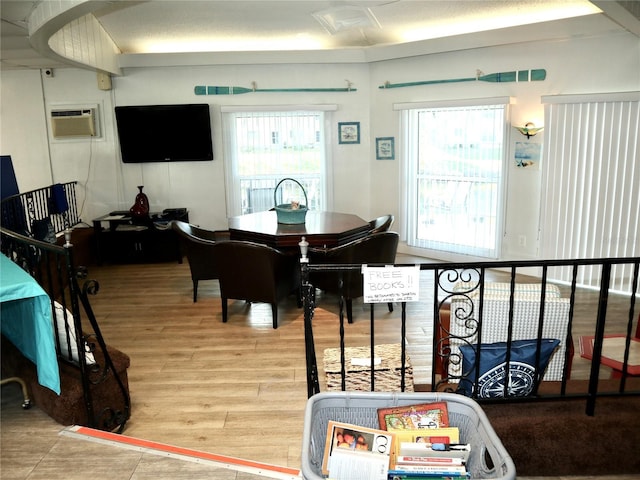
[391,284]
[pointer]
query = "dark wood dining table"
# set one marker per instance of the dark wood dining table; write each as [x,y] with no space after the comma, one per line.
[321,229]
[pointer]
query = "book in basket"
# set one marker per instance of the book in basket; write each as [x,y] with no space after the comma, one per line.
[413,417]
[352,451]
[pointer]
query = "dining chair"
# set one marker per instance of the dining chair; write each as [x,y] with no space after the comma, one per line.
[197,244]
[256,273]
[375,248]
[381,224]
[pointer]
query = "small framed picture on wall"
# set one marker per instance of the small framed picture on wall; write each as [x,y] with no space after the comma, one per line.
[385,148]
[349,132]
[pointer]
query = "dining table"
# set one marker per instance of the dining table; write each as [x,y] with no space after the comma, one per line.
[321,229]
[26,321]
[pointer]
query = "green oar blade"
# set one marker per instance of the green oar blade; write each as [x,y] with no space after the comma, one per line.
[214,90]
[538,75]
[520,76]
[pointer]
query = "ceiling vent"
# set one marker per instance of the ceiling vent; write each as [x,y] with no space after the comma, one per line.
[348,17]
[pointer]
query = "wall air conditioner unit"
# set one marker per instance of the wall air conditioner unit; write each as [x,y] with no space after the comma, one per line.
[74,123]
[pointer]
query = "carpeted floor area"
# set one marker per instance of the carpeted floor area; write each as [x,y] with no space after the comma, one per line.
[557,438]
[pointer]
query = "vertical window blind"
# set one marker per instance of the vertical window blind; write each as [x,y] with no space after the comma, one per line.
[591,183]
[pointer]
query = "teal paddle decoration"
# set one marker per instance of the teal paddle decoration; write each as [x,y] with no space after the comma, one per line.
[213,90]
[516,76]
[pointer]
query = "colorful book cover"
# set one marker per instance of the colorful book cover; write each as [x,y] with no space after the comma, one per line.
[413,417]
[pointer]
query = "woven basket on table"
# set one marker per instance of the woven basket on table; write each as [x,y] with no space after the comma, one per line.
[285,211]
[388,373]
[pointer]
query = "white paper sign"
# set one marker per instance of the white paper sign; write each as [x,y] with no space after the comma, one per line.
[391,284]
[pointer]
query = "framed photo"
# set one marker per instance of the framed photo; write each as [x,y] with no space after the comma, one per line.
[349,132]
[528,155]
[385,148]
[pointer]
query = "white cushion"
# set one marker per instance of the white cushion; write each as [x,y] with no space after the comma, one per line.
[61,330]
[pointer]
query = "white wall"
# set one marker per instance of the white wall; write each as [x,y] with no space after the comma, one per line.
[23,129]
[361,184]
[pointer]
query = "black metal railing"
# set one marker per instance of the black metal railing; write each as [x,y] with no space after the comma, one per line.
[463,308]
[52,267]
[37,212]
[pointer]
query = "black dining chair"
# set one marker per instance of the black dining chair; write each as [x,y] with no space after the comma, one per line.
[375,248]
[256,273]
[381,224]
[197,244]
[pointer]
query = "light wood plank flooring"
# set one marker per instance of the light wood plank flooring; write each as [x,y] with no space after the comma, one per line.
[236,389]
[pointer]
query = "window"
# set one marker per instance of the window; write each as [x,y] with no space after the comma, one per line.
[454,162]
[264,147]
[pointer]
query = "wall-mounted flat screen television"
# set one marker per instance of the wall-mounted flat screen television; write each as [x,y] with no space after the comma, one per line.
[164,133]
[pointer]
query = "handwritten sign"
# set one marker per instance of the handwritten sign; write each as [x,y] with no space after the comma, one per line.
[391,284]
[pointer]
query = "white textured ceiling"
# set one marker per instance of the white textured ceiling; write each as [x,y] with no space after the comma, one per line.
[157,27]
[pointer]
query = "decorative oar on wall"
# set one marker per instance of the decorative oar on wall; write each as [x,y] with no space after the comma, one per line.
[213,90]
[502,77]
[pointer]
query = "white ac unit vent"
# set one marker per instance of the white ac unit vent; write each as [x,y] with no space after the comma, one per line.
[74,123]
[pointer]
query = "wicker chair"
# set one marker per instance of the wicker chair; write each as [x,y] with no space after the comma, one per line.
[375,248]
[196,243]
[255,273]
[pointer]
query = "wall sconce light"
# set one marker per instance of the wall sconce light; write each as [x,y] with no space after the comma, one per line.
[529,129]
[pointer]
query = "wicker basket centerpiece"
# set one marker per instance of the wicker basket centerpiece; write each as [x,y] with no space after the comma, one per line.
[293,212]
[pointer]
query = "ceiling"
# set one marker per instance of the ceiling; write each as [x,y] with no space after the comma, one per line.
[376,29]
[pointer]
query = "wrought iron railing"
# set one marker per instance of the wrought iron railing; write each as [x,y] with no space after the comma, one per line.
[461,292]
[52,267]
[51,208]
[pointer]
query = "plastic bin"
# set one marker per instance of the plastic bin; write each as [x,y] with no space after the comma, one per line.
[488,458]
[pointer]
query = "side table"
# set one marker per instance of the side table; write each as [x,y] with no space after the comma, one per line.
[120,237]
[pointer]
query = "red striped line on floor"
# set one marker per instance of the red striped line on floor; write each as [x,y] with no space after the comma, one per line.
[148,446]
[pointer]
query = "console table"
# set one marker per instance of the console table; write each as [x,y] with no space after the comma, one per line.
[121,238]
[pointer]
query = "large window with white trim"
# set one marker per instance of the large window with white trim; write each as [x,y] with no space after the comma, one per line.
[265,147]
[453,165]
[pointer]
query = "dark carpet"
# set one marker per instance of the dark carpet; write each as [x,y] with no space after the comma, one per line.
[554,438]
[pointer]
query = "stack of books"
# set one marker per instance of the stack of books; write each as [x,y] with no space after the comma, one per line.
[412,442]
[426,460]
[426,446]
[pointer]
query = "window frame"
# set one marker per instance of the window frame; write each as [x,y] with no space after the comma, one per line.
[232,179]
[409,191]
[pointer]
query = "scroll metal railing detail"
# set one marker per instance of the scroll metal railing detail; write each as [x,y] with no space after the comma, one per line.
[52,267]
[461,291]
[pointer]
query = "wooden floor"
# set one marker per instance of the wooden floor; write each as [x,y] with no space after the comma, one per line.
[236,389]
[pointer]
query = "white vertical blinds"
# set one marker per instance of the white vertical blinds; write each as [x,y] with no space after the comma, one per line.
[591,183]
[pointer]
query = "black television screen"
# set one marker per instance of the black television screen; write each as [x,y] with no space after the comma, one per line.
[164,133]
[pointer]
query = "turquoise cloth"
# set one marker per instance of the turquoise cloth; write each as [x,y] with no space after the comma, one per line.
[25,317]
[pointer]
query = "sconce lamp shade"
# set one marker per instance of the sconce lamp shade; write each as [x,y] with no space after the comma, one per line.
[529,129]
